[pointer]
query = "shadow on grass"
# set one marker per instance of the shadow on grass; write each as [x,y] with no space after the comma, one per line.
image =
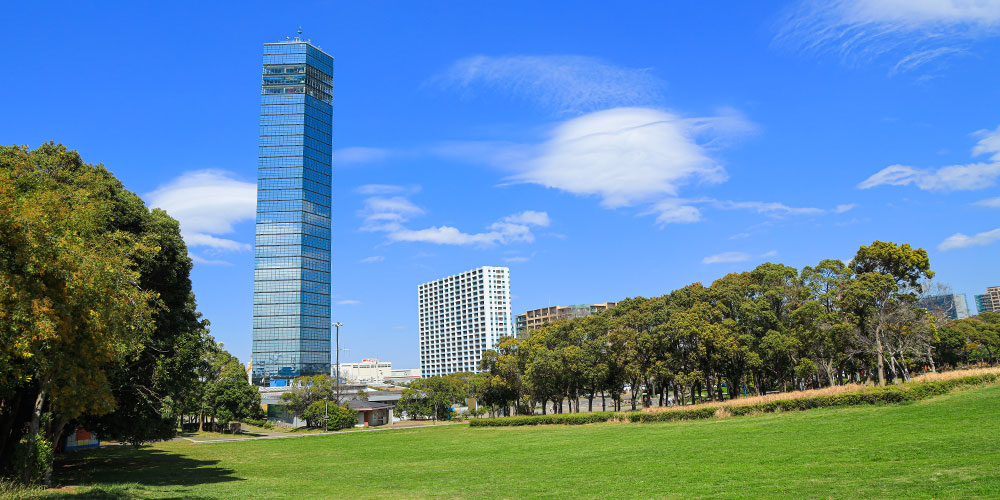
[117,471]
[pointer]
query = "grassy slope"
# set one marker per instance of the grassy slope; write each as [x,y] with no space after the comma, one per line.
[946,447]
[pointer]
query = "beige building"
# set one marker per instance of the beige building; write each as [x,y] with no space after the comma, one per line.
[990,301]
[536,318]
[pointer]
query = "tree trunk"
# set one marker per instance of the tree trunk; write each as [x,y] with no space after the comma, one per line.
[35,423]
[881,361]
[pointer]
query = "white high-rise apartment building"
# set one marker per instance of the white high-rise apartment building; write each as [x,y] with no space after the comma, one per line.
[460,317]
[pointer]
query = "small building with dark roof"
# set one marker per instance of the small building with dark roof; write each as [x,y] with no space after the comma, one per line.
[371,413]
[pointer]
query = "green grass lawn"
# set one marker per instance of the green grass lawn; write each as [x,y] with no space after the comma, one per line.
[945,447]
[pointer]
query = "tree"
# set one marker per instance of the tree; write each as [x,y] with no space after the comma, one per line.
[309,390]
[72,307]
[231,398]
[886,277]
[431,397]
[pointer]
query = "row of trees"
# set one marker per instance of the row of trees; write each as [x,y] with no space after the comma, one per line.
[774,328]
[98,322]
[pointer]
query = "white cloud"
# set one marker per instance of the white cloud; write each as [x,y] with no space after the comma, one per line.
[844,208]
[207,203]
[563,82]
[950,178]
[772,253]
[390,214]
[383,189]
[738,236]
[373,259]
[768,208]
[348,302]
[629,155]
[726,257]
[989,142]
[197,259]
[991,203]
[529,217]
[359,155]
[674,211]
[516,259]
[959,240]
[909,32]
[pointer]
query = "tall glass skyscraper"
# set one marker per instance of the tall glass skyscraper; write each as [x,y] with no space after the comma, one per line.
[291,290]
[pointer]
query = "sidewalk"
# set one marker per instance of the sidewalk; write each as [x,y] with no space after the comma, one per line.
[285,435]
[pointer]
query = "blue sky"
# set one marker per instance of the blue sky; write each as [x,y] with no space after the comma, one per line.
[600,152]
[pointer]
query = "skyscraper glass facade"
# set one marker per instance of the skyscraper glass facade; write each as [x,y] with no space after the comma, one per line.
[291,294]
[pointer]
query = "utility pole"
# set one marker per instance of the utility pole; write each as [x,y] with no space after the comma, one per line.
[337,325]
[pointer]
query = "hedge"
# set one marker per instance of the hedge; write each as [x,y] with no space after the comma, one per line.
[913,391]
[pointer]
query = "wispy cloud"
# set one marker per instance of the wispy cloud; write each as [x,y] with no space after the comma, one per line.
[906,34]
[357,155]
[768,208]
[959,240]
[950,178]
[563,82]
[391,214]
[990,203]
[726,257]
[373,259]
[730,257]
[211,262]
[384,189]
[839,209]
[207,203]
[348,302]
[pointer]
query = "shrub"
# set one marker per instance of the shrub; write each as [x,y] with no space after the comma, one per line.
[259,423]
[341,417]
[912,391]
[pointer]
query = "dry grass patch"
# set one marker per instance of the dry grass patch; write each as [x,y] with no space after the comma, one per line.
[826,391]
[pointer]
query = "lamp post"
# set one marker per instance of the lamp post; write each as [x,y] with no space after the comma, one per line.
[337,325]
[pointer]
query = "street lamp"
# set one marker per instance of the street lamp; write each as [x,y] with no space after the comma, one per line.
[337,325]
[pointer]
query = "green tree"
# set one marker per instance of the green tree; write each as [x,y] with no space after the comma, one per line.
[72,307]
[231,398]
[431,397]
[887,276]
[309,390]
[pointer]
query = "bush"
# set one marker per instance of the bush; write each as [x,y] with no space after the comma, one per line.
[914,391]
[559,418]
[33,458]
[258,423]
[341,417]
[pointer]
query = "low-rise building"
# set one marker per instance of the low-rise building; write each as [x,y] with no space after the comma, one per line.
[368,371]
[402,376]
[536,318]
[989,301]
[371,413]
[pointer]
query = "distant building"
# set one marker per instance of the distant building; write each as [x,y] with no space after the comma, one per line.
[952,305]
[535,318]
[462,316]
[989,301]
[402,376]
[368,371]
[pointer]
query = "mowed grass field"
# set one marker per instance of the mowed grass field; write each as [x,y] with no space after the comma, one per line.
[944,447]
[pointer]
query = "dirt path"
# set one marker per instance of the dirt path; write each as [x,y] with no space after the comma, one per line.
[286,435]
